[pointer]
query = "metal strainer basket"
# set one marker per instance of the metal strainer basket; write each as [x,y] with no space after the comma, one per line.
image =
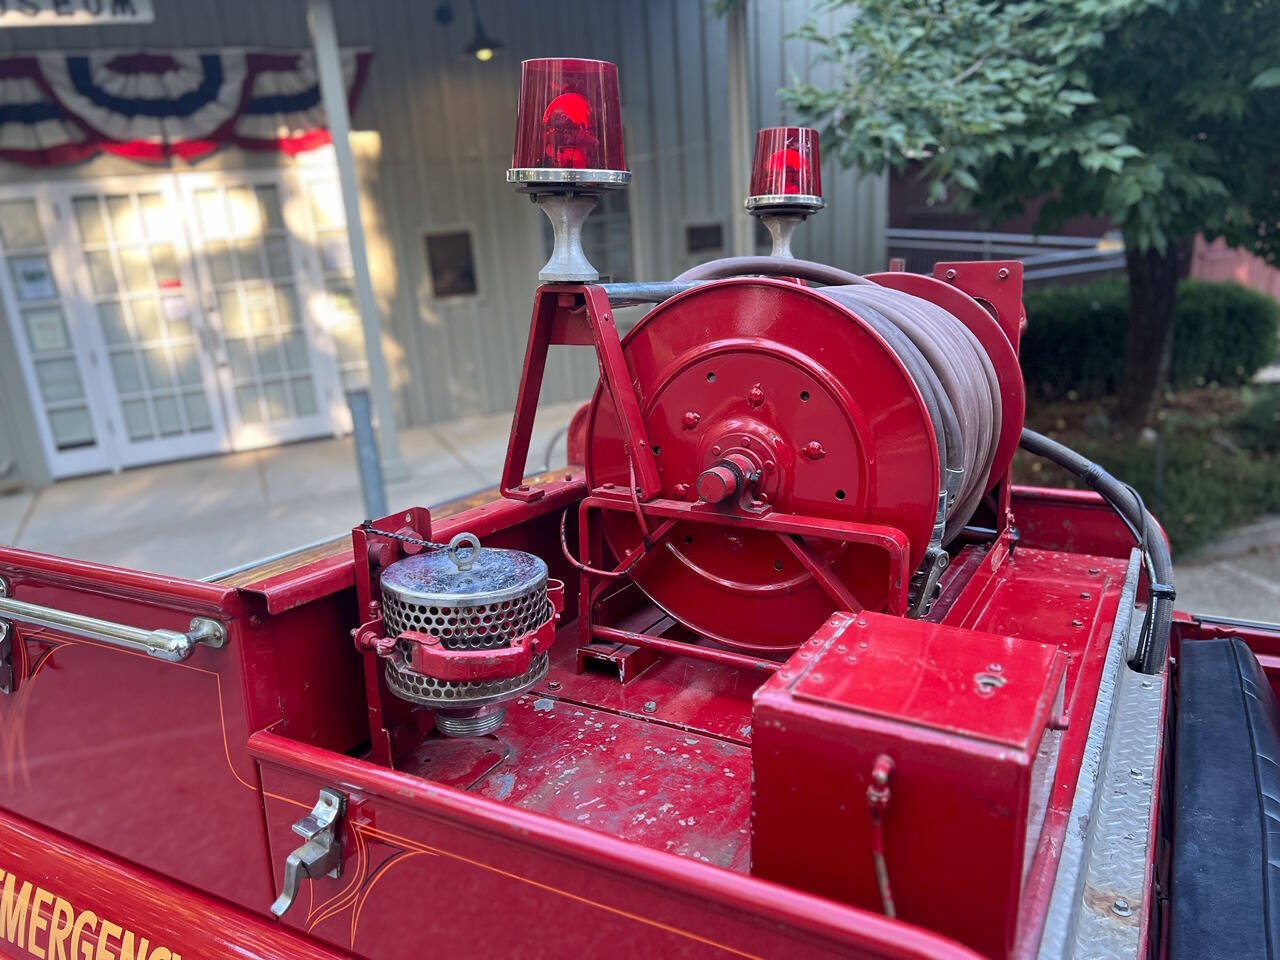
[468,598]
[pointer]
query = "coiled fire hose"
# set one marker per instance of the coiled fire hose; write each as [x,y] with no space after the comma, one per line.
[945,360]
[958,385]
[950,363]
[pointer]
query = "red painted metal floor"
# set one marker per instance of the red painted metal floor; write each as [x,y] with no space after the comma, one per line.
[665,759]
[675,776]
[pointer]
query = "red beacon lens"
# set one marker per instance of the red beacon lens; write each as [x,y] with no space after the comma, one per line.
[787,171]
[569,119]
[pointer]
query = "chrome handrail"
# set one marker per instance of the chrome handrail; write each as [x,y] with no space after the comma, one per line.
[167,645]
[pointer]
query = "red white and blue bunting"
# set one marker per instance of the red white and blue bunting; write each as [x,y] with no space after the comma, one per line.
[58,108]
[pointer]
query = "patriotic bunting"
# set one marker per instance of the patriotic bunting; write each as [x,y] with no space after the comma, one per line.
[58,108]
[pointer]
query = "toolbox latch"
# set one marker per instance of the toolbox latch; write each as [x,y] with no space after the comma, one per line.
[321,854]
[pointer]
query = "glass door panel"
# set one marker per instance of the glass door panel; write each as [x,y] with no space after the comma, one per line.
[144,306]
[56,360]
[246,263]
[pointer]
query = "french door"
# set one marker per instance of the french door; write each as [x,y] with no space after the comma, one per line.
[169,316]
[254,283]
[44,317]
[139,316]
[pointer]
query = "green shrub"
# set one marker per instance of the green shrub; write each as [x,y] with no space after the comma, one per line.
[1071,336]
[1258,427]
[1223,333]
[1074,343]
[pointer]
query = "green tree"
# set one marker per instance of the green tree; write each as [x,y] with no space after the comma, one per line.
[1162,115]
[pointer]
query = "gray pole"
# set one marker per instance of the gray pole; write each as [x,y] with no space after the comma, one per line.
[333,91]
[741,144]
[371,485]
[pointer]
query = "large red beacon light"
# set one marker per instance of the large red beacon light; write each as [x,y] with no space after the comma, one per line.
[568,148]
[568,126]
[787,170]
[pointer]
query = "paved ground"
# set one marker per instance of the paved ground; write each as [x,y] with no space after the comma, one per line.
[1239,576]
[199,517]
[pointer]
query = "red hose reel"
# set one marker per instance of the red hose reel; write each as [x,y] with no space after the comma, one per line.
[762,399]
[759,455]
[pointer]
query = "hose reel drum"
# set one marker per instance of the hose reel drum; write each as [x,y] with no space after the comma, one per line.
[897,402]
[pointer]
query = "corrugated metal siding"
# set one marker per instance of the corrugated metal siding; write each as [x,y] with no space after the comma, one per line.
[445,125]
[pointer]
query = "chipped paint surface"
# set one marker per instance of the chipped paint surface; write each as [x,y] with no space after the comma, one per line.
[629,777]
[701,697]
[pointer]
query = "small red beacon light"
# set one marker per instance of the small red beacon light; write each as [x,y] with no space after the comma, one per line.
[568,127]
[786,174]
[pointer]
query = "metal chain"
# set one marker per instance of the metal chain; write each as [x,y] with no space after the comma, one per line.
[370,528]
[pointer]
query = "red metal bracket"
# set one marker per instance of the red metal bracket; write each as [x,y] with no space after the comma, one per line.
[892,541]
[791,529]
[996,284]
[430,658]
[573,315]
[390,719]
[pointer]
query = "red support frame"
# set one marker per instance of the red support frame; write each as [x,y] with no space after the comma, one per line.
[575,315]
[791,529]
[581,315]
[997,286]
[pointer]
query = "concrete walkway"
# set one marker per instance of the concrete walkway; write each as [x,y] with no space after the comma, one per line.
[198,517]
[1237,576]
[194,518]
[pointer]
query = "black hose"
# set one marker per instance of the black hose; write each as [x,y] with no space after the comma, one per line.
[1153,647]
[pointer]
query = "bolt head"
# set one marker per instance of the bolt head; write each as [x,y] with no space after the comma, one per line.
[715,451]
[951,274]
[1121,907]
[755,396]
[1003,273]
[813,450]
[681,490]
[690,419]
[650,706]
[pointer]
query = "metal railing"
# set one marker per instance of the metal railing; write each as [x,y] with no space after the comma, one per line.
[1043,257]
